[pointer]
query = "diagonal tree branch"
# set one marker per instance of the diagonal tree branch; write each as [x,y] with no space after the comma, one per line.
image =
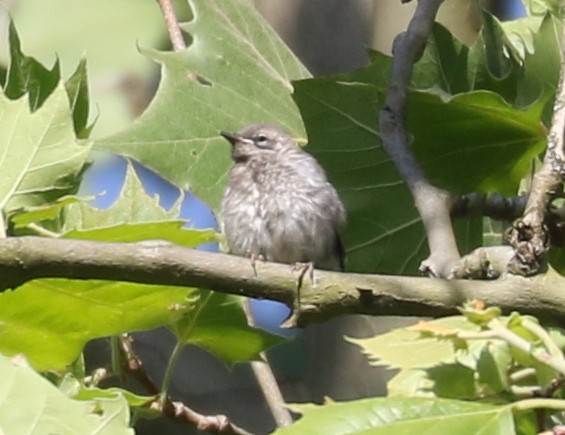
[530,234]
[432,203]
[214,424]
[268,382]
[157,262]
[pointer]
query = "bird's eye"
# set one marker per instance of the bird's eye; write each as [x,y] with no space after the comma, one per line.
[261,139]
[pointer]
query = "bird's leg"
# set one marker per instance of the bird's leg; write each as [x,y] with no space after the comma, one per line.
[254,258]
[303,269]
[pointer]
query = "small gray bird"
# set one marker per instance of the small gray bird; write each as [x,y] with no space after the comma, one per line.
[279,203]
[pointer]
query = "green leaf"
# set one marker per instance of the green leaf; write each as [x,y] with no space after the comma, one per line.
[133,206]
[76,27]
[50,320]
[77,89]
[451,136]
[495,61]
[133,400]
[452,381]
[42,159]
[46,212]
[477,134]
[139,405]
[544,373]
[479,315]
[499,64]
[31,405]
[171,231]
[218,324]
[134,216]
[236,72]
[405,348]
[3,75]
[543,7]
[411,383]
[541,68]
[493,366]
[519,35]
[340,114]
[215,321]
[403,416]
[27,76]
[430,356]
[444,63]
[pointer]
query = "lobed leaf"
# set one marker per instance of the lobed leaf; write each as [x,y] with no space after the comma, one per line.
[237,71]
[218,324]
[30,404]
[77,90]
[28,76]
[402,416]
[476,134]
[41,159]
[50,320]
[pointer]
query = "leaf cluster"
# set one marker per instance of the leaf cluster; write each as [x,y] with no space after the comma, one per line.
[49,321]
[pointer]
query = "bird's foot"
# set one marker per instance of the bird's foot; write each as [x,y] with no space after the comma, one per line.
[253,257]
[304,269]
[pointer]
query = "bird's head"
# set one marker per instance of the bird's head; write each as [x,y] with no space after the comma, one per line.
[258,140]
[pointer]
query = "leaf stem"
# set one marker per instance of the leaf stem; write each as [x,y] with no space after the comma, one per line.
[170,17]
[42,231]
[115,352]
[522,374]
[530,404]
[556,362]
[169,372]
[536,329]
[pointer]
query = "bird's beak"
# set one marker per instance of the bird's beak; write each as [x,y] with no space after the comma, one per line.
[232,138]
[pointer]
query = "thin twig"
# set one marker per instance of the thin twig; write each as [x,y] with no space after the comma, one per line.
[268,383]
[216,424]
[530,235]
[432,203]
[171,365]
[556,362]
[493,205]
[175,33]
[133,366]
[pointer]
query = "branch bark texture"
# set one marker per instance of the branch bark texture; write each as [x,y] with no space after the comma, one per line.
[530,234]
[333,294]
[432,203]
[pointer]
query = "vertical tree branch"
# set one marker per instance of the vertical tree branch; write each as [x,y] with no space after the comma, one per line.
[529,235]
[432,203]
[175,34]
[268,383]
